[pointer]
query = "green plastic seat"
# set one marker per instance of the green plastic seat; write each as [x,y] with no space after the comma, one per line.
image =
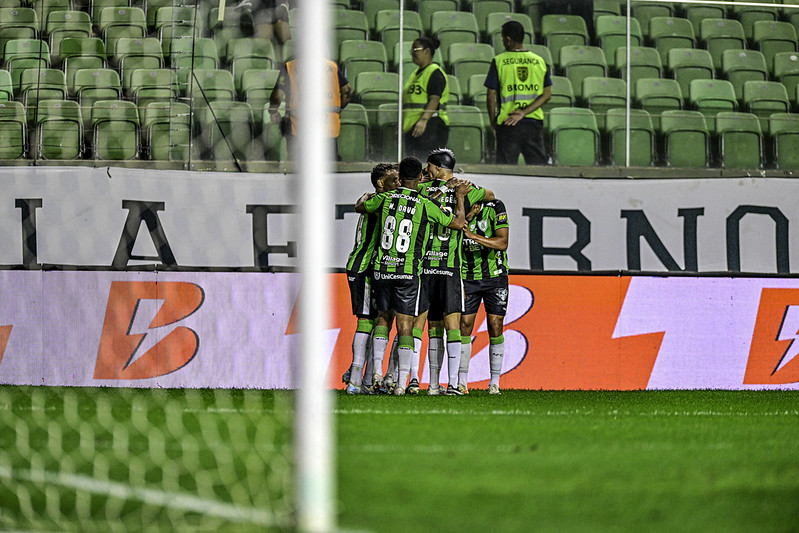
[686,139]
[18,23]
[642,138]
[353,139]
[740,66]
[115,130]
[41,84]
[658,95]
[483,9]
[719,35]
[611,34]
[454,27]
[90,85]
[66,23]
[668,33]
[118,22]
[467,59]
[574,136]
[81,52]
[97,6]
[13,130]
[250,53]
[256,86]
[645,62]
[427,8]
[348,25]
[212,84]
[687,64]
[580,62]
[562,94]
[21,54]
[372,7]
[563,30]
[749,15]
[784,131]
[387,132]
[786,70]
[467,133]
[131,54]
[361,56]
[762,98]
[59,130]
[772,37]
[6,86]
[166,131]
[711,97]
[387,29]
[644,12]
[374,88]
[225,131]
[476,92]
[151,85]
[740,140]
[696,13]
[602,94]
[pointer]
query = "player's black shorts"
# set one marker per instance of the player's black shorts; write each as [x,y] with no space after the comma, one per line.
[361,294]
[398,292]
[492,291]
[442,291]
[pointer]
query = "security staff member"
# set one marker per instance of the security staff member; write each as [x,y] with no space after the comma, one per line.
[425,124]
[520,81]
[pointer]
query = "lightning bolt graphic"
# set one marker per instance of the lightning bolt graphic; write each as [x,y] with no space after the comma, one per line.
[789,331]
[143,316]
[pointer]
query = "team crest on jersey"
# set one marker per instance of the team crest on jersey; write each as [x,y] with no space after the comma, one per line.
[483,225]
[522,73]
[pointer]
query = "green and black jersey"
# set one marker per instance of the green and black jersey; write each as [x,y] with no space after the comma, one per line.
[480,262]
[443,243]
[360,258]
[405,217]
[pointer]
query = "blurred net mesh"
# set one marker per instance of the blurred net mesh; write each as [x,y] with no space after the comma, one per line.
[84,459]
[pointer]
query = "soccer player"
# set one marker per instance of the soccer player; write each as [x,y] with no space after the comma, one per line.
[385,177]
[485,274]
[405,219]
[441,276]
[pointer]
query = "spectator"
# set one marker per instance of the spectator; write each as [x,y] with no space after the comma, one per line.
[268,18]
[519,81]
[425,124]
[286,87]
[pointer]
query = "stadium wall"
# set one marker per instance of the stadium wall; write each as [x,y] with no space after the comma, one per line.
[79,306]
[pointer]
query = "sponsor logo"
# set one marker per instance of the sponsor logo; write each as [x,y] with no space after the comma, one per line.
[522,73]
[502,218]
[121,354]
[390,276]
[773,353]
[437,272]
[483,225]
[502,294]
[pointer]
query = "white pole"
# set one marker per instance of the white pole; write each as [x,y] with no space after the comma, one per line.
[313,156]
[629,77]
[401,71]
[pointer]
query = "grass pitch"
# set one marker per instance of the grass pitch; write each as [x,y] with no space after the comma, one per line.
[570,461]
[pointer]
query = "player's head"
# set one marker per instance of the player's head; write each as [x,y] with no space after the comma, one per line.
[384,177]
[476,207]
[410,169]
[443,158]
[512,31]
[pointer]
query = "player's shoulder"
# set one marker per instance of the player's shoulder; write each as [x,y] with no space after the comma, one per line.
[496,204]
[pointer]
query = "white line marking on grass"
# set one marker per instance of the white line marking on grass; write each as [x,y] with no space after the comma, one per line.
[175,500]
[574,412]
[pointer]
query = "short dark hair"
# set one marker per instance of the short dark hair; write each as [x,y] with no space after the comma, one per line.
[514,30]
[442,157]
[380,170]
[410,168]
[429,42]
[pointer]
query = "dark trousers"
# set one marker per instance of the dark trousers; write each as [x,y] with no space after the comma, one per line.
[526,138]
[435,136]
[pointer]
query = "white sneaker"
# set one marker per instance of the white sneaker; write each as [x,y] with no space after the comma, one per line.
[434,391]
[353,389]
[493,389]
[463,388]
[399,391]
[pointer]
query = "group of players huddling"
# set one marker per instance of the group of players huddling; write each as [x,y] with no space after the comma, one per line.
[428,248]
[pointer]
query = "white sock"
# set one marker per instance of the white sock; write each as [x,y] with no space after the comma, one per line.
[466,357]
[359,344]
[496,353]
[417,347]
[379,351]
[453,361]
[435,358]
[391,371]
[404,355]
[367,374]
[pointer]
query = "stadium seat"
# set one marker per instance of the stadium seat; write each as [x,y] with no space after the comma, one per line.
[43,8]
[719,35]
[256,86]
[151,85]
[740,140]
[696,13]
[771,38]
[562,94]
[580,62]
[454,27]
[115,127]
[272,140]
[740,66]
[348,25]
[387,133]
[131,54]
[611,33]
[235,24]
[90,85]
[41,84]
[21,54]
[786,70]
[372,7]
[225,131]
[476,92]
[17,23]
[250,53]
[97,7]
[165,131]
[467,59]
[456,95]
[177,23]
[199,54]
[59,130]
[749,15]
[361,56]
[427,8]
[574,136]
[483,9]
[563,30]
[658,95]
[118,22]
[646,11]
[606,7]
[467,133]
[543,52]
[6,86]
[387,28]
[535,10]
[686,64]
[645,63]
[686,139]
[784,132]
[353,140]
[62,24]
[712,96]
[642,138]
[13,130]
[667,33]
[209,85]
[81,52]
[374,88]
[602,94]
[762,98]
[494,23]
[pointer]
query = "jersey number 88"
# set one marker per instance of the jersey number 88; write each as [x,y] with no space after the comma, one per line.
[404,233]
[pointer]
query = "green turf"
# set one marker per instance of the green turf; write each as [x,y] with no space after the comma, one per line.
[570,461]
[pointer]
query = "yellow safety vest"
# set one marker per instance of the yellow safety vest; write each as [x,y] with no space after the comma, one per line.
[414,97]
[333,95]
[521,81]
